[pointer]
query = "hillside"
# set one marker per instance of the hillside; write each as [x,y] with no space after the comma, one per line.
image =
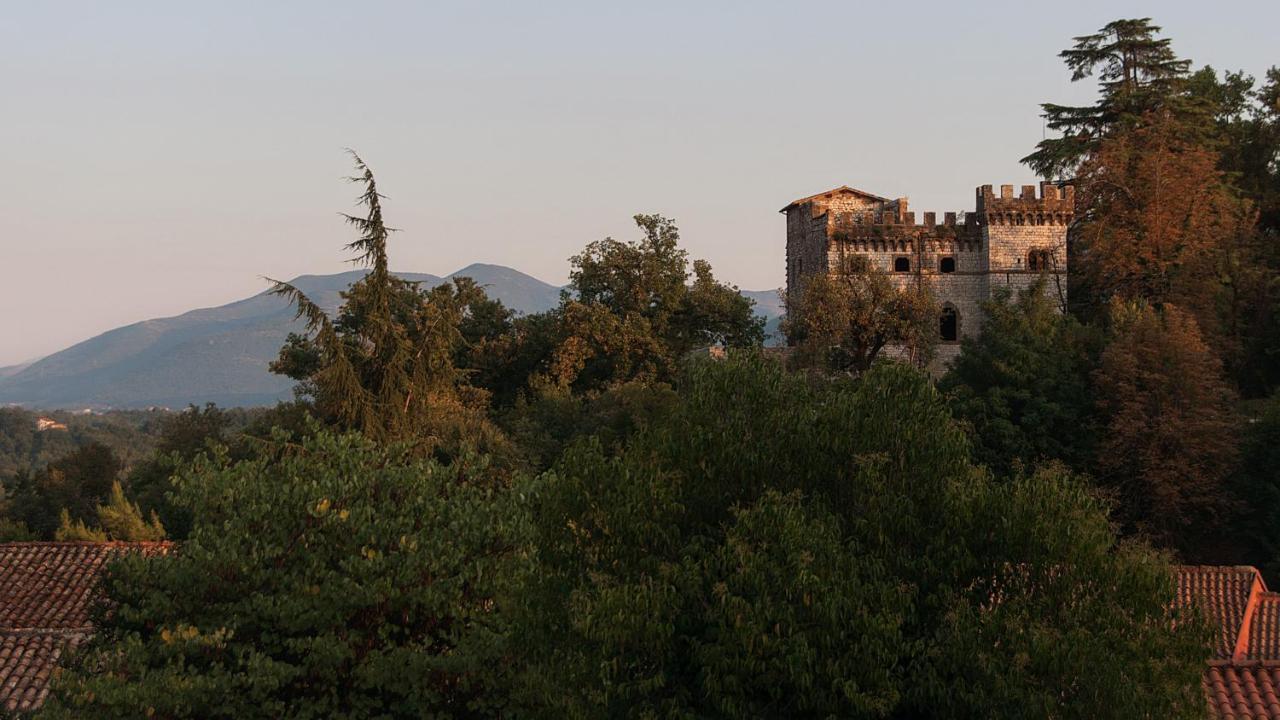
[220,354]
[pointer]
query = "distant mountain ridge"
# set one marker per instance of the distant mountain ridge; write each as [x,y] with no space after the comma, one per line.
[220,354]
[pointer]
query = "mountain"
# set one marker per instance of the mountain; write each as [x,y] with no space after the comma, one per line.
[8,370]
[220,354]
[214,354]
[769,304]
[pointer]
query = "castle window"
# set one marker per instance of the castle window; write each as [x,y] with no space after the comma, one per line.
[1038,260]
[947,265]
[901,264]
[949,324]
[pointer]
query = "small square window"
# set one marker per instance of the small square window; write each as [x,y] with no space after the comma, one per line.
[947,265]
[902,264]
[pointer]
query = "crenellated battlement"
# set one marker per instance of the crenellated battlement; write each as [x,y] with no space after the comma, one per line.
[928,219]
[1053,206]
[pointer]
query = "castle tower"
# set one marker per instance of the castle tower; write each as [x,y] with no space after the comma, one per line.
[1007,241]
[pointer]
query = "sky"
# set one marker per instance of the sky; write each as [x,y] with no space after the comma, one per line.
[164,156]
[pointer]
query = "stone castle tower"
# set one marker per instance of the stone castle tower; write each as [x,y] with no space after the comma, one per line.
[1006,242]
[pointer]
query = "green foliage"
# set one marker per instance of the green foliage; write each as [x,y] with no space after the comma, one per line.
[129,433]
[330,578]
[1259,487]
[545,422]
[77,531]
[1137,72]
[14,531]
[385,365]
[782,545]
[182,436]
[633,311]
[76,483]
[842,322]
[1022,385]
[119,519]
[122,520]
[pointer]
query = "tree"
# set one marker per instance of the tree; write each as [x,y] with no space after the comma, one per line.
[385,365]
[1138,74]
[631,312]
[842,322]
[182,436]
[77,483]
[1169,444]
[1023,386]
[119,519]
[602,361]
[785,545]
[1248,130]
[1156,218]
[1258,486]
[333,577]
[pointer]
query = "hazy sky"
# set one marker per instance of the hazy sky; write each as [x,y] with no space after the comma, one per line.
[162,156]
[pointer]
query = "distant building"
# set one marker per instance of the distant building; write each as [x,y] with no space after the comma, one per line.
[44,423]
[1007,241]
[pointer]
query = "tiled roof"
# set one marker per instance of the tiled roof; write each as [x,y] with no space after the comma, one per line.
[46,592]
[27,662]
[1243,681]
[1222,593]
[1237,692]
[1264,629]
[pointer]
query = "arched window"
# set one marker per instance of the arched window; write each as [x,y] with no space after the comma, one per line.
[1038,260]
[947,265]
[902,264]
[949,324]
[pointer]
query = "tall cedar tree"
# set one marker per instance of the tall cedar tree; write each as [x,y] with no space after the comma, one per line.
[1169,446]
[842,322]
[1137,72]
[385,365]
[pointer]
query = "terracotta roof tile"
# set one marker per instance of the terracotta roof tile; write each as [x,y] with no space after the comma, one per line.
[1222,593]
[46,591]
[1264,629]
[1236,692]
[27,662]
[49,586]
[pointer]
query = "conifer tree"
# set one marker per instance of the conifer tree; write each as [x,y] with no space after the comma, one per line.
[385,364]
[1137,73]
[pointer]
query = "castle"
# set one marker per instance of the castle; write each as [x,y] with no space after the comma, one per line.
[1006,242]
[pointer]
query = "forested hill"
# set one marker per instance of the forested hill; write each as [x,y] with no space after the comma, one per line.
[220,354]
